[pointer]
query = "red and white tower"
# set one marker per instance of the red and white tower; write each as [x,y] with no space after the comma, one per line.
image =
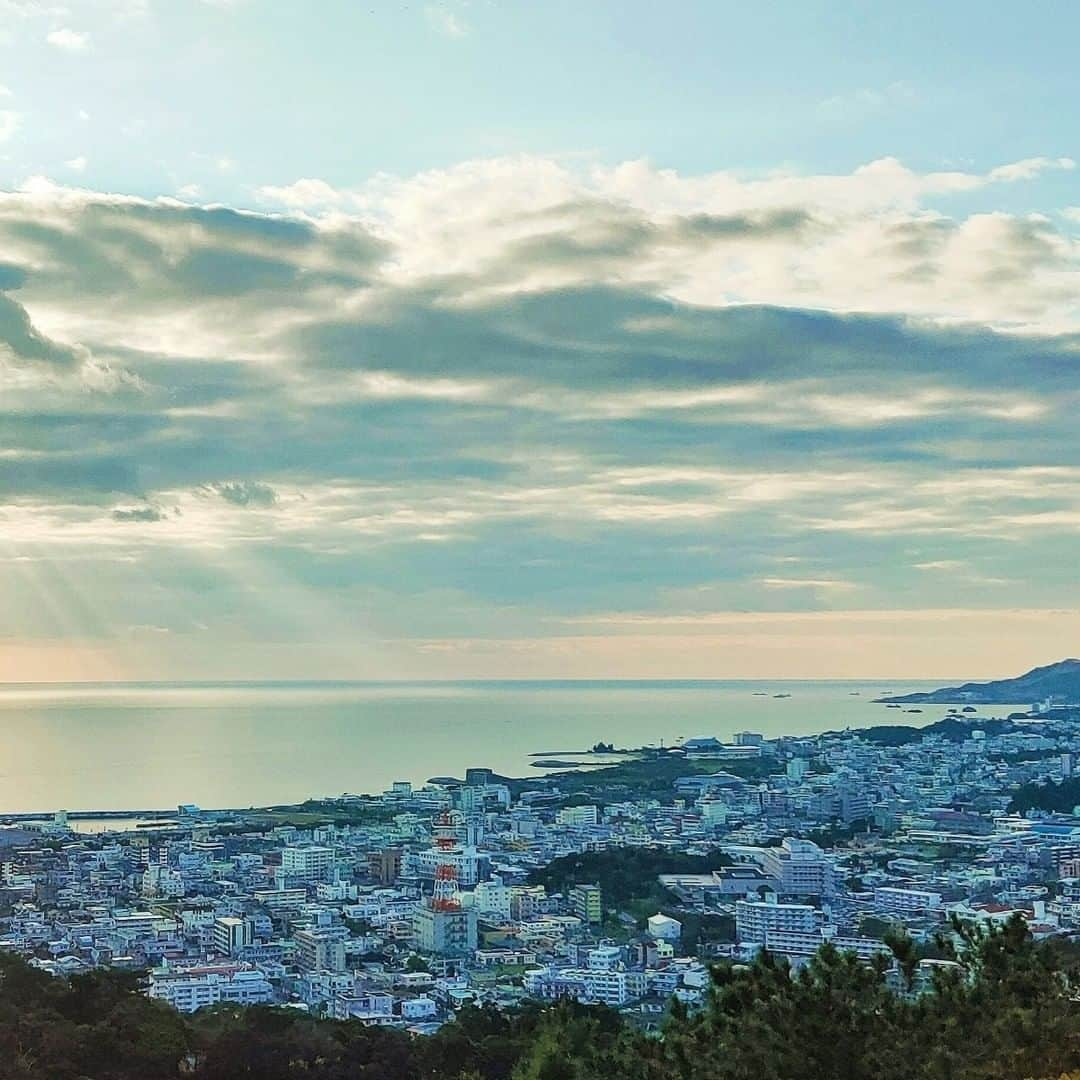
[444,894]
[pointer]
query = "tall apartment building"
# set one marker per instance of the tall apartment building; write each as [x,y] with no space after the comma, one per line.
[585,903]
[385,865]
[445,933]
[577,816]
[231,934]
[321,948]
[897,901]
[493,897]
[754,920]
[800,868]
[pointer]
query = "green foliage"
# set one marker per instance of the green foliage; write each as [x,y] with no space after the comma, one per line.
[624,874]
[1056,798]
[646,778]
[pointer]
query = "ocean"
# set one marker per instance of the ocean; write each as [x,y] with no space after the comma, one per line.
[154,746]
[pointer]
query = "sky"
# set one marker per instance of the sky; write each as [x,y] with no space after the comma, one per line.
[497,339]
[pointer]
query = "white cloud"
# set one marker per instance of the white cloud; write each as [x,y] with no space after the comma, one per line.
[76,164]
[67,40]
[1030,168]
[9,124]
[304,194]
[858,103]
[445,21]
[5,91]
[805,583]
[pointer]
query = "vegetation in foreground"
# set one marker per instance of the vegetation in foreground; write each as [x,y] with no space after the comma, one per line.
[1006,1011]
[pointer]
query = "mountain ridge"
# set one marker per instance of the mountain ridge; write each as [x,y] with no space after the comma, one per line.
[1060,679]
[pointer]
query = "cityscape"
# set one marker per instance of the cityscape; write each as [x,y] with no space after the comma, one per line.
[616,884]
[538,540]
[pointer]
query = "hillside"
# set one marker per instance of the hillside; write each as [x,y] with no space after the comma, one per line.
[1054,680]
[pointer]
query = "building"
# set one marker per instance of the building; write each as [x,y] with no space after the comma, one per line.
[385,865]
[231,934]
[800,868]
[604,986]
[756,919]
[162,882]
[749,738]
[493,898]
[281,902]
[896,901]
[321,948]
[307,865]
[188,989]
[469,866]
[664,928]
[585,903]
[450,933]
[799,946]
[577,816]
[371,1009]
[796,769]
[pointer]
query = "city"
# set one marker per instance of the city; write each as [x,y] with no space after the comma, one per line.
[617,885]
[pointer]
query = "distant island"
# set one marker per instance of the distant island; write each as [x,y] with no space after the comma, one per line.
[1058,682]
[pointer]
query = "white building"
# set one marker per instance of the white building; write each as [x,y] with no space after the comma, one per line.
[664,928]
[163,882]
[798,946]
[470,867]
[896,901]
[577,816]
[492,897]
[613,988]
[445,933]
[755,919]
[800,868]
[367,1008]
[194,988]
[231,934]
[306,865]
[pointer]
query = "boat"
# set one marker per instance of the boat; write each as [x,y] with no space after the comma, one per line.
[781,695]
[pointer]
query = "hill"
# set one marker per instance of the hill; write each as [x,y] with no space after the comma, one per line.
[1054,680]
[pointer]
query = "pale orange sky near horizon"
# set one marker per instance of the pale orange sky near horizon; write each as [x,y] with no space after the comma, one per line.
[946,644]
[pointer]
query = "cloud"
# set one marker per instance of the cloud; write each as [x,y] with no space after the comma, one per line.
[859,103]
[302,194]
[139,514]
[482,403]
[445,21]
[246,493]
[76,164]
[9,124]
[68,40]
[1030,168]
[805,583]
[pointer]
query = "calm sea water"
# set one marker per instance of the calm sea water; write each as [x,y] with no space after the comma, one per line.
[110,747]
